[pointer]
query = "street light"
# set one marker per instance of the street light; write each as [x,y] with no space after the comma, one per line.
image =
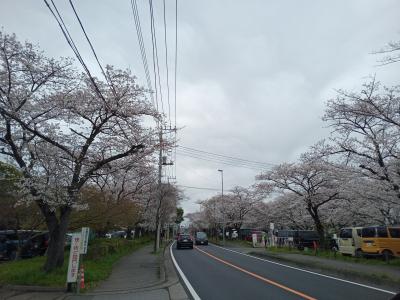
[222,198]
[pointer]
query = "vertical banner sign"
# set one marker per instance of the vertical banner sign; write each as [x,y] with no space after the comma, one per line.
[73,265]
[254,239]
[84,240]
[271,233]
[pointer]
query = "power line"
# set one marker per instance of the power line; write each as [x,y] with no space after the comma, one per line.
[226,158]
[175,71]
[198,188]
[155,54]
[176,53]
[168,91]
[57,16]
[142,49]
[108,79]
[166,63]
[215,160]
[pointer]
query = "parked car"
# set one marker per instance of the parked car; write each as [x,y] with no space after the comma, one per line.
[201,238]
[35,243]
[28,243]
[350,241]
[284,237]
[184,241]
[298,238]
[305,238]
[8,244]
[116,234]
[381,241]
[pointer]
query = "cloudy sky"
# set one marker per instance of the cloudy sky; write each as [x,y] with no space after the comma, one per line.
[253,76]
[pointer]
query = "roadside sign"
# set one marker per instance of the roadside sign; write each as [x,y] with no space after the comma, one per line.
[254,239]
[271,226]
[84,240]
[73,264]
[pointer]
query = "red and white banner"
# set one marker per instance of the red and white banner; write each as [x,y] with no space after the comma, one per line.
[73,266]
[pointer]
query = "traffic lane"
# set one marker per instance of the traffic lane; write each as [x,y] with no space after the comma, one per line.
[310,284]
[214,280]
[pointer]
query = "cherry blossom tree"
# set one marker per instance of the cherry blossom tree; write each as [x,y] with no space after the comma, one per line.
[312,180]
[238,203]
[366,130]
[390,52]
[61,128]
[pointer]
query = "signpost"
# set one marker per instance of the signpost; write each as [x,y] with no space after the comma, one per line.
[271,233]
[79,246]
[254,239]
[84,240]
[73,265]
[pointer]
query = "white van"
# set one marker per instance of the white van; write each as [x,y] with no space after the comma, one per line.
[350,241]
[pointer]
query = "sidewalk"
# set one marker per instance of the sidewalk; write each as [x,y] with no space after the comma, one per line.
[140,275]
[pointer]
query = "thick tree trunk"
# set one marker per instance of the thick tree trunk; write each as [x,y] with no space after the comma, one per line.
[57,231]
[129,233]
[318,225]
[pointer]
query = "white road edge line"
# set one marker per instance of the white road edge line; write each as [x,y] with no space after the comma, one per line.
[185,280]
[314,273]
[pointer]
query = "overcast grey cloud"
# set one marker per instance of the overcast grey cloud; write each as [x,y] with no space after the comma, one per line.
[253,76]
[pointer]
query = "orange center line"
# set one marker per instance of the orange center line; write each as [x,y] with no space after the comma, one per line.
[258,276]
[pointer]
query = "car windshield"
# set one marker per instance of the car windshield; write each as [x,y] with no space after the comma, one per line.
[345,233]
[368,232]
[184,236]
[201,235]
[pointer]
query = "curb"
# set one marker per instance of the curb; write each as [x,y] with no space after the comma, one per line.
[32,288]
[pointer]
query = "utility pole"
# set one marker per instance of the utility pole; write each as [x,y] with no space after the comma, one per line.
[161,161]
[223,213]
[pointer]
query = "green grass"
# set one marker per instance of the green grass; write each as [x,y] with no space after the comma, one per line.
[102,255]
[331,255]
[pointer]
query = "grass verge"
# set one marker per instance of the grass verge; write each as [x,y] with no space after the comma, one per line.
[102,254]
[377,261]
[376,278]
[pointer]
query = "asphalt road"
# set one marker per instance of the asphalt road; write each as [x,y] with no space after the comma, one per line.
[217,273]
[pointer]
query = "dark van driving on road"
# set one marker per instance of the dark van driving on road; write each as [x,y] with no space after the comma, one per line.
[201,238]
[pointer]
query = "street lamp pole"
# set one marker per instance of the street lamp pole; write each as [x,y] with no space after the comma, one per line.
[222,198]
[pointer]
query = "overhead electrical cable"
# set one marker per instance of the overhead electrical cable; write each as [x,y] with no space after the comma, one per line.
[176,54]
[219,161]
[156,66]
[57,16]
[142,50]
[107,77]
[221,157]
[175,72]
[198,188]
[166,64]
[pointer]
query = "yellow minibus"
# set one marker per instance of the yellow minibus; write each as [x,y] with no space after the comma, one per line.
[381,240]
